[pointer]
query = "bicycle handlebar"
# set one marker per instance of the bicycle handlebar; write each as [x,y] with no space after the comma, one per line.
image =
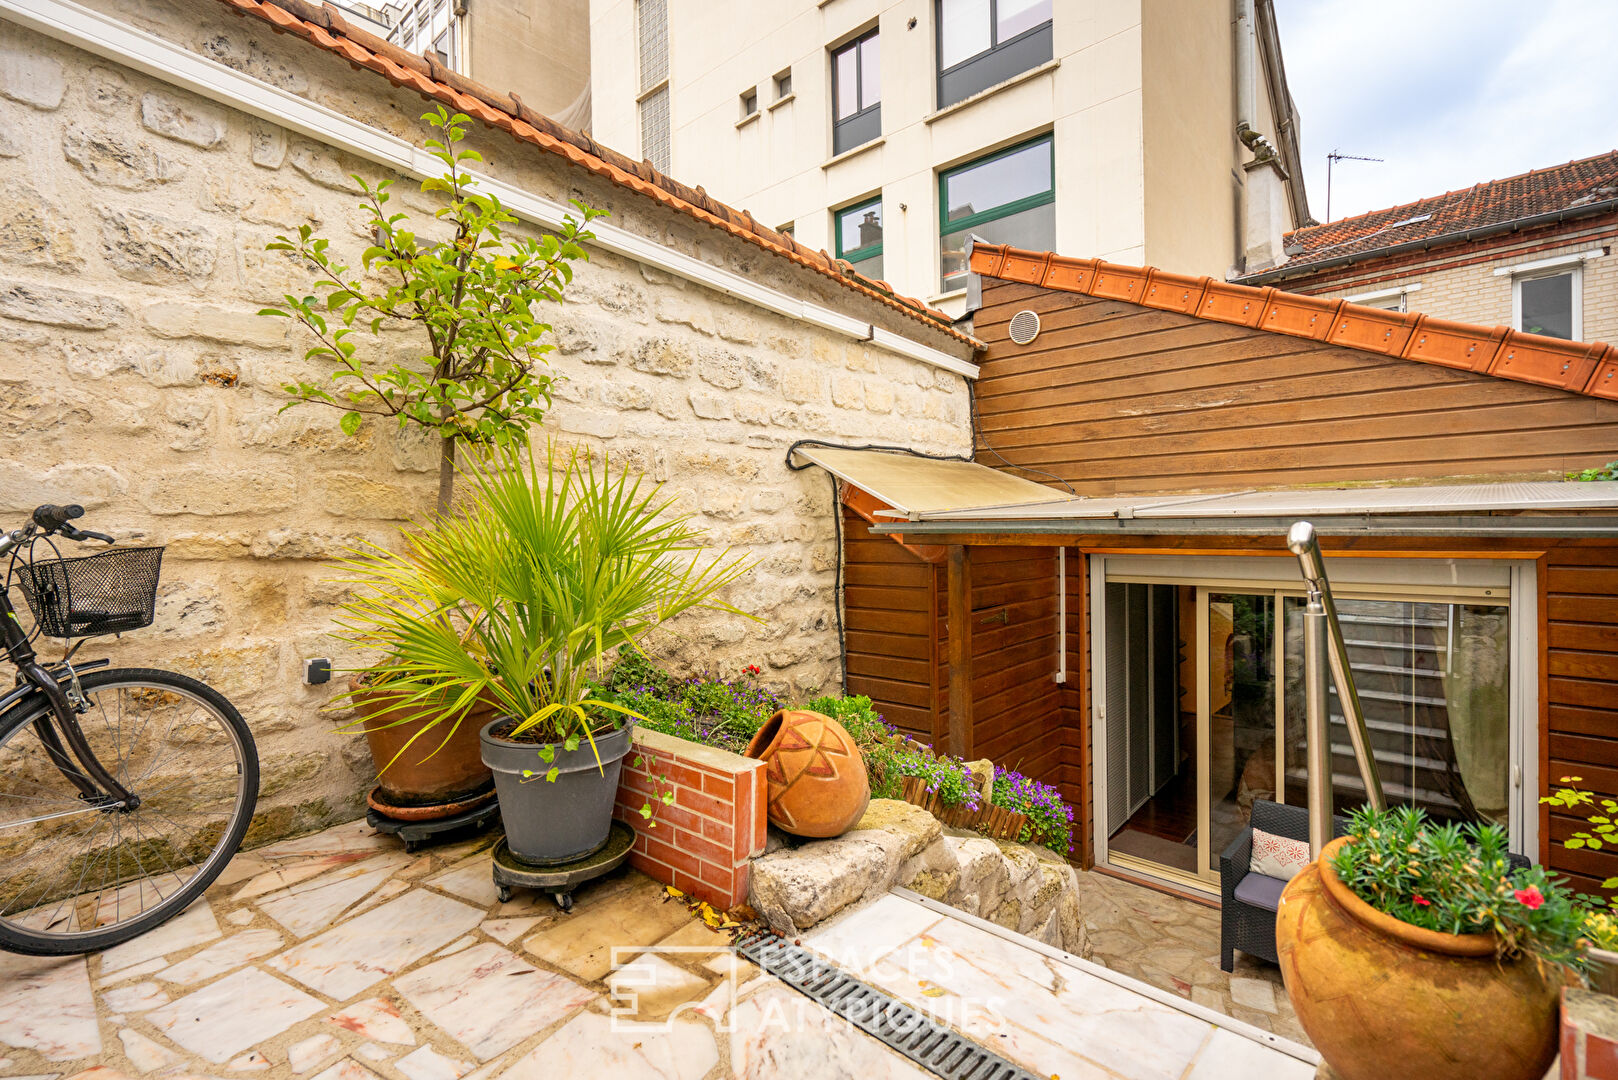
[51,518]
[54,519]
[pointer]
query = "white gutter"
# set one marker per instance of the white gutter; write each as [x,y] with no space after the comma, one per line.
[111,39]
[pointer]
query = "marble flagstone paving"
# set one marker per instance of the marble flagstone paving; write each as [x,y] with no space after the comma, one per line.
[338,956]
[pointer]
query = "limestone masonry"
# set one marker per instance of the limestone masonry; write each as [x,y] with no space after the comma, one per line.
[137,379]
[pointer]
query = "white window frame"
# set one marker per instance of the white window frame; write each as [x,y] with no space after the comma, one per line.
[1572,267]
[1401,291]
[1390,577]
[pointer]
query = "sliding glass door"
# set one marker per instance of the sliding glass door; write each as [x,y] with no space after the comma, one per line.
[1201,703]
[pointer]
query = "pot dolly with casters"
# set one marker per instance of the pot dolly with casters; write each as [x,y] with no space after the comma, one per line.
[123,791]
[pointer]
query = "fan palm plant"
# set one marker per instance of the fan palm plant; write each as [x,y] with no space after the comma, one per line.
[521,596]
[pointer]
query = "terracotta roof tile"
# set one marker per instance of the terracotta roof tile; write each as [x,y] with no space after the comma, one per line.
[1579,367]
[1446,218]
[324,27]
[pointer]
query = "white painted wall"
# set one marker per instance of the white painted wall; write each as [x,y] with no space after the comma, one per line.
[777,165]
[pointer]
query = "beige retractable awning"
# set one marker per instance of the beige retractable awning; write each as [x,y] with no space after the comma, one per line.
[916,487]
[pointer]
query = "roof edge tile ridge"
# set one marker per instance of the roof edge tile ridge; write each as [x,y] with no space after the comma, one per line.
[1579,367]
[1475,186]
[325,28]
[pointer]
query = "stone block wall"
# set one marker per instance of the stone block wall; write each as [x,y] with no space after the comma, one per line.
[137,379]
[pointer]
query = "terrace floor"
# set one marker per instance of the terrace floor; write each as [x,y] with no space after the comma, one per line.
[340,957]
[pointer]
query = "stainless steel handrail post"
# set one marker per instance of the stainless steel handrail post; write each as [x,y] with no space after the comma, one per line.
[1323,633]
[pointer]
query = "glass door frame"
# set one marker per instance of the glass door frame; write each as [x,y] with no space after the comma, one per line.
[1423,581]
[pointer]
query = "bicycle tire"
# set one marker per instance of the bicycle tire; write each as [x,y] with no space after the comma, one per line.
[19,940]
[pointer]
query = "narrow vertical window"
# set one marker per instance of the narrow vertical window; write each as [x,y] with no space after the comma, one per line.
[651,21]
[856,76]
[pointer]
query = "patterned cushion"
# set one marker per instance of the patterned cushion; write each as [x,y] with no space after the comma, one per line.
[1277,856]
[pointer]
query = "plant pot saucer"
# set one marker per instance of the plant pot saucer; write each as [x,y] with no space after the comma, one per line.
[561,879]
[416,833]
[432,811]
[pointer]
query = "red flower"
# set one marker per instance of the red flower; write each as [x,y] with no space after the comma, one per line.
[1530,898]
[1423,901]
[753,669]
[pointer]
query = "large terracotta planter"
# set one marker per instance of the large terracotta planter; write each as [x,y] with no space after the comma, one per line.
[1381,998]
[430,772]
[814,771]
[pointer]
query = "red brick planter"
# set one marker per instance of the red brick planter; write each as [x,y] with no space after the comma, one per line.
[703,842]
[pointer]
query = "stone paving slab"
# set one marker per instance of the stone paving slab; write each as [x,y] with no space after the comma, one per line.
[338,956]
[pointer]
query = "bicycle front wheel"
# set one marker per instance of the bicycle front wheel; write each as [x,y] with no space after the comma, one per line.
[78,874]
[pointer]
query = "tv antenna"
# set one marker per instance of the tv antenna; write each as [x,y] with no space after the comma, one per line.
[1332,159]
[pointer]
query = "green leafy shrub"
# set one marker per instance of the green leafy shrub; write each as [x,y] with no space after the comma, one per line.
[474,293]
[727,713]
[1456,879]
[1609,471]
[1603,826]
[713,711]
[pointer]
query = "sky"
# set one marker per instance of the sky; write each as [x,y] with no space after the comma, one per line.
[1449,92]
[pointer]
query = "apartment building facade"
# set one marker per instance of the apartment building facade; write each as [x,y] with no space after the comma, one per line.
[887,131]
[538,48]
[1533,252]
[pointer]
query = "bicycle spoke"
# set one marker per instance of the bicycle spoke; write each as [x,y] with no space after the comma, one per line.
[70,868]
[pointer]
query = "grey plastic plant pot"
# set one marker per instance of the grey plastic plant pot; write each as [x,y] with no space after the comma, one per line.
[554,821]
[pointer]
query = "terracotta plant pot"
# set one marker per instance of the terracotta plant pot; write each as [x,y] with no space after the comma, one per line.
[814,771]
[1380,998]
[428,773]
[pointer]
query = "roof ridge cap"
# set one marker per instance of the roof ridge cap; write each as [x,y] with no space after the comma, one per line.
[1579,367]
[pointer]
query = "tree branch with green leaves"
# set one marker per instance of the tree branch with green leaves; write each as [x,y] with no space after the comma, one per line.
[473,292]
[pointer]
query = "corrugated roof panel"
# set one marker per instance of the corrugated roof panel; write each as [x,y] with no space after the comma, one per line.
[1313,502]
[917,485]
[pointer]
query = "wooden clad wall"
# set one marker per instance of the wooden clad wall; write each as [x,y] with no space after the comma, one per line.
[1015,697]
[891,621]
[1117,398]
[1579,628]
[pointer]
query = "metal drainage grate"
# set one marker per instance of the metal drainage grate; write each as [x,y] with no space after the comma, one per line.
[918,1038]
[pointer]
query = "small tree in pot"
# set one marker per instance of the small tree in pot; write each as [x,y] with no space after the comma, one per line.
[474,295]
[550,568]
[473,292]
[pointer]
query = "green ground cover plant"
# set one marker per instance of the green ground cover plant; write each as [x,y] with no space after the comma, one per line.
[728,711]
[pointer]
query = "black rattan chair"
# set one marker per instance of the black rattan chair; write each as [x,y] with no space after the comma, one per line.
[1248,900]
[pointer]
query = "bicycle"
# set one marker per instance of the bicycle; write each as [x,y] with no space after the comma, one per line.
[123,791]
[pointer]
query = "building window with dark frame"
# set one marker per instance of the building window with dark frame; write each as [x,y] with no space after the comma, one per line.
[749,103]
[859,236]
[1008,197]
[985,42]
[856,93]
[1550,303]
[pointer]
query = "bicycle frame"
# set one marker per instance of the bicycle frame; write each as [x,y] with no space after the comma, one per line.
[95,784]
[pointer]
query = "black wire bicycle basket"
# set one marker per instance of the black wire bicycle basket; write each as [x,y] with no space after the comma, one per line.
[111,592]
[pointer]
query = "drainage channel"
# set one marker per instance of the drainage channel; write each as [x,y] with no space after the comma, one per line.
[935,1048]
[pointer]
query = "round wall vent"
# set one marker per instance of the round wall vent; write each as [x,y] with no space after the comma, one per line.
[1024,327]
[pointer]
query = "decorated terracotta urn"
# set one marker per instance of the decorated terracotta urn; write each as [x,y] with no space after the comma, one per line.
[815,773]
[1381,998]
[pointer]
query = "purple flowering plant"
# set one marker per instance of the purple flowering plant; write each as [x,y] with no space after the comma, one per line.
[728,711]
[1050,818]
